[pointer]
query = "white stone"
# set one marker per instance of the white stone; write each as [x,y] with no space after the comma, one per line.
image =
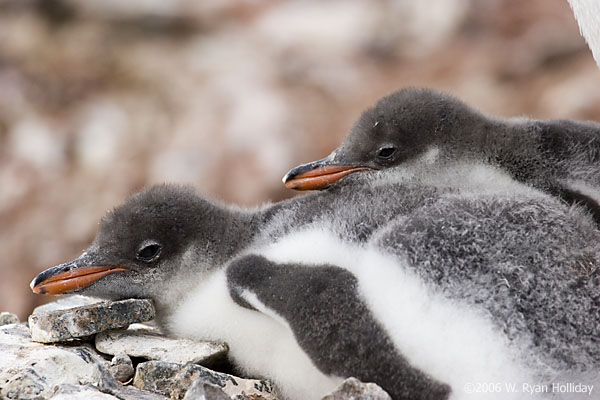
[143,341]
[78,392]
[67,302]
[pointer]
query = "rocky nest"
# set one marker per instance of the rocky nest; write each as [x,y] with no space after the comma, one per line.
[83,348]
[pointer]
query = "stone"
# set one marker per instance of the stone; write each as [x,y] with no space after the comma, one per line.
[84,321]
[145,342]
[354,389]
[80,392]
[131,393]
[88,392]
[121,368]
[201,390]
[156,376]
[67,302]
[8,318]
[30,370]
[171,379]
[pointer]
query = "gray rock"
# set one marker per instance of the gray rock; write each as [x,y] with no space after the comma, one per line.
[84,321]
[156,376]
[130,393]
[30,370]
[171,379]
[145,342]
[121,368]
[79,392]
[8,318]
[68,391]
[201,390]
[353,389]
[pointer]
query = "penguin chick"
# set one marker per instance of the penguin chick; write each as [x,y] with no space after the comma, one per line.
[424,132]
[187,255]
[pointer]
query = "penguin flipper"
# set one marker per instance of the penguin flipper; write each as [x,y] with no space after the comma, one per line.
[331,323]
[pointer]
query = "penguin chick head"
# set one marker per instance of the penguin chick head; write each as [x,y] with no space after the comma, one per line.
[402,127]
[152,240]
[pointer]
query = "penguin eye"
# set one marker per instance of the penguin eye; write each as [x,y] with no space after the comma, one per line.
[386,152]
[149,251]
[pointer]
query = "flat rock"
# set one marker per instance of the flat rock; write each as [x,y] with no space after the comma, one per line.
[146,342]
[8,318]
[172,379]
[61,325]
[80,392]
[354,389]
[30,370]
[130,393]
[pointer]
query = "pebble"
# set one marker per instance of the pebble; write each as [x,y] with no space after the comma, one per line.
[201,390]
[354,389]
[121,368]
[84,321]
[8,318]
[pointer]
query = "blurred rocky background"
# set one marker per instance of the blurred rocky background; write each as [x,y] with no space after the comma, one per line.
[101,98]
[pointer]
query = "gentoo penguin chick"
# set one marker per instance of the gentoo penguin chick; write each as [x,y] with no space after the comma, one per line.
[188,255]
[425,132]
[306,306]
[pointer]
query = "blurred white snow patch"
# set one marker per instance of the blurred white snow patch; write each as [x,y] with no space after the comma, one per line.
[33,141]
[258,124]
[579,89]
[231,52]
[420,27]
[324,26]
[12,96]
[159,8]
[475,88]
[343,27]
[102,125]
[243,90]
[129,8]
[177,165]
[15,186]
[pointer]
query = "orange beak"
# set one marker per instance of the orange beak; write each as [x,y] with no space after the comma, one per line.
[62,278]
[319,174]
[320,177]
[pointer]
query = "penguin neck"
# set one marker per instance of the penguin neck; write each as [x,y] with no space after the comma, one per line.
[229,230]
[511,144]
[234,230]
[504,143]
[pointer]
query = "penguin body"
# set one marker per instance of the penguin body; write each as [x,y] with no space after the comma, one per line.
[306,304]
[423,132]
